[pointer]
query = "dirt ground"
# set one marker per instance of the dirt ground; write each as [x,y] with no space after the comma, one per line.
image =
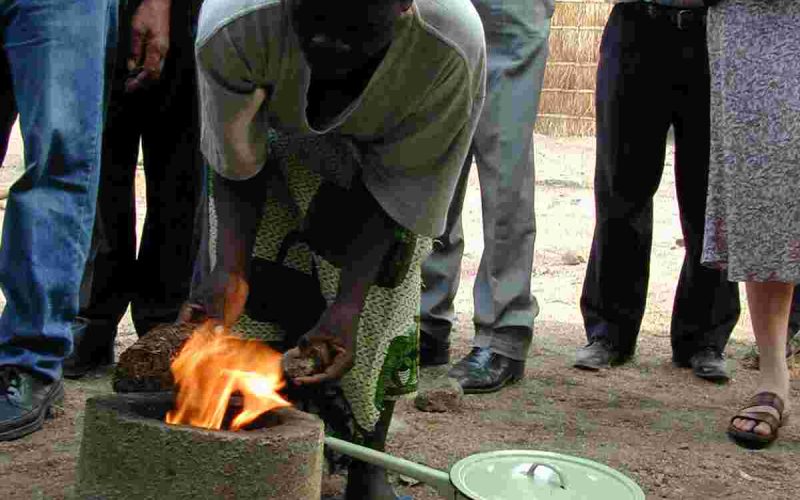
[656,423]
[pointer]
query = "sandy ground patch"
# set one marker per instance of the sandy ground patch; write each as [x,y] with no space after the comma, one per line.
[648,419]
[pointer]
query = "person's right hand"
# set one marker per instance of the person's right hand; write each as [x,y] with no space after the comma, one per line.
[221,299]
[149,43]
[331,343]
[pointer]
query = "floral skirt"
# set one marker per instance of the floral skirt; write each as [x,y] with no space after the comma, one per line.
[752,225]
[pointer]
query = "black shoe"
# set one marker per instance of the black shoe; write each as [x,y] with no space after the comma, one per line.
[432,352]
[709,364]
[598,354]
[25,400]
[483,371]
[93,348]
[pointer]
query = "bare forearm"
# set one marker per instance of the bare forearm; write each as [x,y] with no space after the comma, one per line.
[238,206]
[364,258]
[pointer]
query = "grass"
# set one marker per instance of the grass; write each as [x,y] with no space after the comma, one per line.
[700,425]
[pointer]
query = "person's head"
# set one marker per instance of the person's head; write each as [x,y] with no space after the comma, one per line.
[339,37]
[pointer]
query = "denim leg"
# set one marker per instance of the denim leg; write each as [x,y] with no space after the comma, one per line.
[57,54]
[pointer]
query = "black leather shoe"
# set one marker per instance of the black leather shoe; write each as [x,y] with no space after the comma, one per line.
[598,354]
[25,400]
[432,352]
[708,364]
[483,371]
[93,348]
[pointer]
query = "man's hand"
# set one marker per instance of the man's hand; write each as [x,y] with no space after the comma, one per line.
[331,343]
[149,43]
[333,338]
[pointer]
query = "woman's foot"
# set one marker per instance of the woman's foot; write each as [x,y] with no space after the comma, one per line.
[756,425]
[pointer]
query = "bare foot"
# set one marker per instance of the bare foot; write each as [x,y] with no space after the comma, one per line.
[764,429]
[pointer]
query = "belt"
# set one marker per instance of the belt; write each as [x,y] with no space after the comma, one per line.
[683,19]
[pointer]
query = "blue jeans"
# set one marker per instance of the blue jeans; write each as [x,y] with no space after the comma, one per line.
[57,54]
[517,45]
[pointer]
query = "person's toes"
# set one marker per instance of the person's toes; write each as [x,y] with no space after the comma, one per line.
[762,429]
[743,424]
[747,425]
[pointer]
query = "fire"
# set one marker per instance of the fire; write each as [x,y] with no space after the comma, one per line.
[211,367]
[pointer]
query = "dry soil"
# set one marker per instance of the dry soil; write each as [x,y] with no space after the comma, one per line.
[656,423]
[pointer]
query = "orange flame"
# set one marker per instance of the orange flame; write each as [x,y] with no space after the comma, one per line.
[213,365]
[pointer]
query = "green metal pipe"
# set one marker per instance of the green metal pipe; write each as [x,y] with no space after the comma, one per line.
[439,480]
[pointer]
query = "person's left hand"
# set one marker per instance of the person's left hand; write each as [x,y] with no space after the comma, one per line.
[332,342]
[149,43]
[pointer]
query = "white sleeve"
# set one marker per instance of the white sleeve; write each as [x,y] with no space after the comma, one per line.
[233,121]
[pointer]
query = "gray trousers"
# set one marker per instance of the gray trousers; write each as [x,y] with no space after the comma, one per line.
[517,44]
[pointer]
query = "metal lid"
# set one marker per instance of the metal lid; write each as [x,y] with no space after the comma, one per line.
[535,475]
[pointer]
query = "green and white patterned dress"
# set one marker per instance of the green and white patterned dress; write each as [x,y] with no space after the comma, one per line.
[387,340]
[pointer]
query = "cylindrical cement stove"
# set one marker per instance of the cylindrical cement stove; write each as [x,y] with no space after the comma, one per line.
[128,452]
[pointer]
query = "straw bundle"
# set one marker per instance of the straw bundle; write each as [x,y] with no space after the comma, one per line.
[567,75]
[581,13]
[575,44]
[575,103]
[565,126]
[567,101]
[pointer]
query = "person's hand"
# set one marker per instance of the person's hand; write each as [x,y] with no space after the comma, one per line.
[149,43]
[331,344]
[221,299]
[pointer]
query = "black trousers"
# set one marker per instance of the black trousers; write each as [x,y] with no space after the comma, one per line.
[652,74]
[8,105]
[165,118]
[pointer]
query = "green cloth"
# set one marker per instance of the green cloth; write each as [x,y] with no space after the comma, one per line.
[387,340]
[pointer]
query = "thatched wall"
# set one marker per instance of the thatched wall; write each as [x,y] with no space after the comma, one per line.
[567,102]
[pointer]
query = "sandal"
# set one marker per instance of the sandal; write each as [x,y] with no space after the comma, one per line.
[763,407]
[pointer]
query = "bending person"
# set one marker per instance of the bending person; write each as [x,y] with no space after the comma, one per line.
[336,136]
